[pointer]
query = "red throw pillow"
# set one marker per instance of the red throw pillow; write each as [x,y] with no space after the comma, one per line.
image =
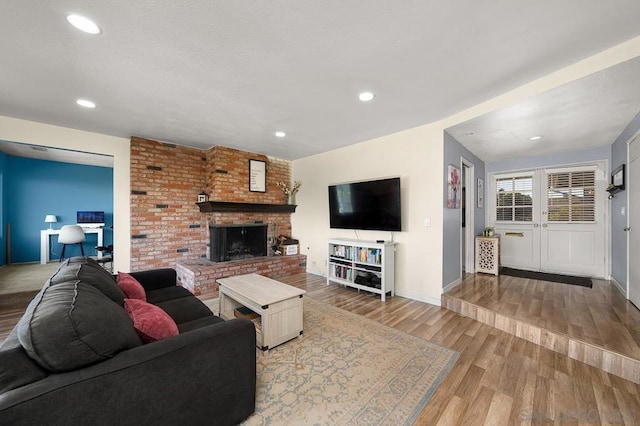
[150,321]
[131,287]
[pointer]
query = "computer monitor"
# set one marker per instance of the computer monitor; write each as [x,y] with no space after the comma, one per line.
[90,219]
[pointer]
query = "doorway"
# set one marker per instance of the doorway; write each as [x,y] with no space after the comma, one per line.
[467,218]
[633,225]
[552,219]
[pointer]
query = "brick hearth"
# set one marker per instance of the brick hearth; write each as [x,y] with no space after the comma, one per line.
[200,275]
[167,226]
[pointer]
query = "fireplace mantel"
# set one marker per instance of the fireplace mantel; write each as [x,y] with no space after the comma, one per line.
[229,206]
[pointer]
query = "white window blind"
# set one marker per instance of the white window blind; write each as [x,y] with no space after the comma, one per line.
[571,196]
[514,199]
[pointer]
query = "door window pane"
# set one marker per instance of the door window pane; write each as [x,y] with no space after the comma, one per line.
[514,199]
[571,196]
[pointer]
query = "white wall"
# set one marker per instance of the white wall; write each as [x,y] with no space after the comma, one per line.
[15,130]
[416,156]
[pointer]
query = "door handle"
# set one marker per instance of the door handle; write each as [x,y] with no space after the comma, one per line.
[544,225]
[535,225]
[626,229]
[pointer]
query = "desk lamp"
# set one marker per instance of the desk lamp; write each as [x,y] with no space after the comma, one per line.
[50,219]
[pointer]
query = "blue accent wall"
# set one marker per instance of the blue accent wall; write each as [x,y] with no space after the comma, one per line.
[3,209]
[35,188]
[452,230]
[618,220]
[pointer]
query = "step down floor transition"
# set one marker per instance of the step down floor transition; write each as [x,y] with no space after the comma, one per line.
[597,325]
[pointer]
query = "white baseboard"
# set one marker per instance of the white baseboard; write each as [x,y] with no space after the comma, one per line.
[420,298]
[452,285]
[617,284]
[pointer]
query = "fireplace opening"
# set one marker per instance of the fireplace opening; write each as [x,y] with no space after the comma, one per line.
[236,242]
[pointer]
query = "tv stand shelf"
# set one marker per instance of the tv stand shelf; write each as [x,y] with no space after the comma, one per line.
[365,265]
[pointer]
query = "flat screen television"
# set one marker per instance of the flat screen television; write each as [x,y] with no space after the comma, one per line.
[370,205]
[90,219]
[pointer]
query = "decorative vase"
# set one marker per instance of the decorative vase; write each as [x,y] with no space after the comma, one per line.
[291,199]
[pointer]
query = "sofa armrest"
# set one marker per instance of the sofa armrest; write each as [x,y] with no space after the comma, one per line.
[154,279]
[204,376]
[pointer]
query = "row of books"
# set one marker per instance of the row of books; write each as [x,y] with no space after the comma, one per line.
[342,272]
[373,256]
[341,251]
[364,255]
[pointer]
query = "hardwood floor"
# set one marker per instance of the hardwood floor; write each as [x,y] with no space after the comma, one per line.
[594,325]
[499,379]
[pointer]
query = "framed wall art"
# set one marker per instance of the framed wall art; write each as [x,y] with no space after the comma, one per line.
[453,187]
[257,176]
[480,193]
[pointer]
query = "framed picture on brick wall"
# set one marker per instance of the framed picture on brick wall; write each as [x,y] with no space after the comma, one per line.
[257,176]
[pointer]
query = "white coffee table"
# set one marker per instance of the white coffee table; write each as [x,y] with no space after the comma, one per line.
[279,306]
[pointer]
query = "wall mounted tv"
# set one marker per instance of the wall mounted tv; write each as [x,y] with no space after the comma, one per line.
[370,205]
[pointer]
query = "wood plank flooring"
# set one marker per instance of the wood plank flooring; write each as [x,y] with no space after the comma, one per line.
[595,325]
[499,379]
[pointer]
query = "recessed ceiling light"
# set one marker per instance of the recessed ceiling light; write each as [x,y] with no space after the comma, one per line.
[86,103]
[366,96]
[535,138]
[280,134]
[83,24]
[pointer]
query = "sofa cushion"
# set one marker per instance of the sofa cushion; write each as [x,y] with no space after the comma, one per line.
[199,323]
[150,321]
[16,367]
[72,324]
[131,287]
[90,272]
[167,293]
[185,309]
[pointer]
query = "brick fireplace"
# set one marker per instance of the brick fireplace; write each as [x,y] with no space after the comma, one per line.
[168,228]
[237,242]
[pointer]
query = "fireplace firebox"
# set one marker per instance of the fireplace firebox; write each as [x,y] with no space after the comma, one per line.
[236,242]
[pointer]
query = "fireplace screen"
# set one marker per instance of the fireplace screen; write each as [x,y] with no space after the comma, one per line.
[236,242]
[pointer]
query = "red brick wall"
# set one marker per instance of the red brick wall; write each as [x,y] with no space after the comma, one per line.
[166,223]
[228,180]
[200,277]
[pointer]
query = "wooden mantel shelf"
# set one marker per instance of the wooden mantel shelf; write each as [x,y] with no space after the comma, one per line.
[228,206]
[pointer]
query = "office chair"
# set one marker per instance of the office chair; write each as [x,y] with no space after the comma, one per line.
[69,235]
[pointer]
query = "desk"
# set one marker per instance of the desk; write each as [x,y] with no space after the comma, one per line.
[45,241]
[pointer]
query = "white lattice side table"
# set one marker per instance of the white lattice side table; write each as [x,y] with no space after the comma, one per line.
[488,255]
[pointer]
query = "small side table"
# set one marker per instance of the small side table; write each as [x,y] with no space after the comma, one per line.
[488,255]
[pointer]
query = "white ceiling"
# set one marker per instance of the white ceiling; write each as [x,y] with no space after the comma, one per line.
[586,113]
[211,72]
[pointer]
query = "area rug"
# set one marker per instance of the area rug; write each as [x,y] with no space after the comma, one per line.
[21,277]
[543,276]
[347,370]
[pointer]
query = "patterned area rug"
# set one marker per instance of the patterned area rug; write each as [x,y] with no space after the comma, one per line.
[347,370]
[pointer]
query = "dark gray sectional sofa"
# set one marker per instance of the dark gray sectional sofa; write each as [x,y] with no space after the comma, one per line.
[75,358]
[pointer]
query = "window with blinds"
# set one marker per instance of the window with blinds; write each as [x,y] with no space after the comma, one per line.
[514,199]
[571,196]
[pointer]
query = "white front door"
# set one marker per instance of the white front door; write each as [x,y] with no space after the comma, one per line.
[513,200]
[572,232]
[633,235]
[552,220]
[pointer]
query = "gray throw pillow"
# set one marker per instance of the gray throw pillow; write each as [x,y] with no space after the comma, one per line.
[89,272]
[71,324]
